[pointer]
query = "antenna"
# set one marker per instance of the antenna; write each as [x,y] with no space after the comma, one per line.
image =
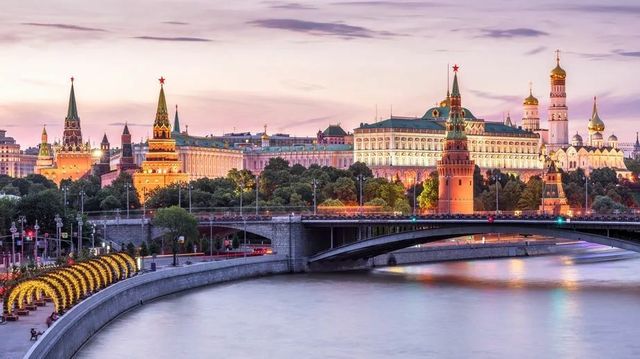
[376,118]
[447,79]
[391,111]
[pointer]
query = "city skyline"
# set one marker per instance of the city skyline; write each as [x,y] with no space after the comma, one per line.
[266,62]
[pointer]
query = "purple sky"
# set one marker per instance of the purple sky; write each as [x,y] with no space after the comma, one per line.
[299,66]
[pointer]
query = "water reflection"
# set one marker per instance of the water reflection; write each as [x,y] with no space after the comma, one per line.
[524,307]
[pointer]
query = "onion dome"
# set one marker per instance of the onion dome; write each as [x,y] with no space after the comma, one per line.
[264,136]
[558,72]
[597,136]
[613,138]
[445,102]
[531,100]
[595,123]
[576,140]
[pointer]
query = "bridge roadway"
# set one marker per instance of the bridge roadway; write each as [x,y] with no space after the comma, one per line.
[363,237]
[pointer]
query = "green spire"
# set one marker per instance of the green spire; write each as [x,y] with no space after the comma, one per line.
[44,144]
[162,116]
[176,122]
[454,90]
[72,112]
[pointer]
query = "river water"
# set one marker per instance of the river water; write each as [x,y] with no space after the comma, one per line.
[519,308]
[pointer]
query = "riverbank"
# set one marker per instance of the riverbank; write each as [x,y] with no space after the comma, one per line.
[73,329]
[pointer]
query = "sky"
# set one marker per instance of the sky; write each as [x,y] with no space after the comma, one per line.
[299,66]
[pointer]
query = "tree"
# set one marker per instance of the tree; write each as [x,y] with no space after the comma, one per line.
[178,222]
[360,168]
[531,196]
[131,249]
[428,199]
[332,203]
[344,189]
[144,249]
[42,206]
[605,205]
[109,203]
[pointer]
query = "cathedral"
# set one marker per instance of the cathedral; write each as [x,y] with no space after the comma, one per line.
[70,159]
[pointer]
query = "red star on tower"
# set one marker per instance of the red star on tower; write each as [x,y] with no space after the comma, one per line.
[455,68]
[161,79]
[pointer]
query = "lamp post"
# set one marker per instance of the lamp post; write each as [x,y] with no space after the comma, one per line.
[36,227]
[315,196]
[65,190]
[544,189]
[190,187]
[361,179]
[180,195]
[93,236]
[211,234]
[82,201]
[58,221]
[22,220]
[13,231]
[257,193]
[127,186]
[415,181]
[496,178]
[586,194]
[79,219]
[241,193]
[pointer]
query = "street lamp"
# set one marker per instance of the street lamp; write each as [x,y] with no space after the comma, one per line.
[127,186]
[190,188]
[241,193]
[315,196]
[36,227]
[93,236]
[211,234]
[58,221]
[415,182]
[13,231]
[79,219]
[257,193]
[361,178]
[22,220]
[65,190]
[496,178]
[82,193]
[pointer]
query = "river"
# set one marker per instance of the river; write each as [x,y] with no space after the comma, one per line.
[538,307]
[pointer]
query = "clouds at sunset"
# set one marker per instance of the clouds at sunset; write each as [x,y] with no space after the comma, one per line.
[300,65]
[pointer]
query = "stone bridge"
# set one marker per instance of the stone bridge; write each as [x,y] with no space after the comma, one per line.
[323,239]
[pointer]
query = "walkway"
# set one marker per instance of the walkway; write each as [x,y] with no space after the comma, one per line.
[14,336]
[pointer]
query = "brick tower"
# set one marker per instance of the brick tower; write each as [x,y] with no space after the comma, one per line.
[455,169]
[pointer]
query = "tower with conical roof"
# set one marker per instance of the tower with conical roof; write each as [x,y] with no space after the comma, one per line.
[530,114]
[554,199]
[104,164]
[455,168]
[45,153]
[558,111]
[72,157]
[176,122]
[126,157]
[595,127]
[161,166]
[636,148]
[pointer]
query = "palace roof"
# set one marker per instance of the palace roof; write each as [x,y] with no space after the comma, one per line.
[438,125]
[300,148]
[334,130]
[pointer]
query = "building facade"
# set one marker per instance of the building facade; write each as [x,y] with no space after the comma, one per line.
[13,161]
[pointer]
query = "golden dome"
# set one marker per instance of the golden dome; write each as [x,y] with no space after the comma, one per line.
[445,102]
[558,72]
[265,136]
[595,123]
[531,100]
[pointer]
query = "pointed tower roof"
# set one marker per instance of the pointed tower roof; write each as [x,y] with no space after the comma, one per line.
[455,92]
[637,140]
[126,129]
[552,167]
[43,151]
[595,123]
[162,116]
[72,111]
[104,139]
[44,133]
[508,120]
[176,122]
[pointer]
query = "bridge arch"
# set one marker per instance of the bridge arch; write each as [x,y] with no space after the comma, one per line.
[387,243]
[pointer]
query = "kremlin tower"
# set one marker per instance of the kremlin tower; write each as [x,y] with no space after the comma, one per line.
[126,157]
[554,200]
[161,166]
[104,164]
[45,155]
[558,119]
[455,169]
[72,157]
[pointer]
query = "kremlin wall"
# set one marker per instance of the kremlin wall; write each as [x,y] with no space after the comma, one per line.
[448,138]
